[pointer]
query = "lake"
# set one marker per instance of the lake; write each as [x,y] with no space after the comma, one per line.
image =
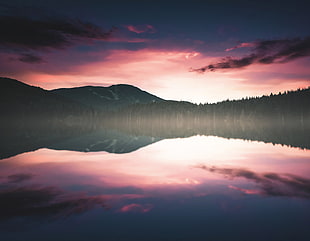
[194,188]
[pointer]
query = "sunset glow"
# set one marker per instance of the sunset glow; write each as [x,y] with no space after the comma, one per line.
[146,56]
[154,120]
[166,74]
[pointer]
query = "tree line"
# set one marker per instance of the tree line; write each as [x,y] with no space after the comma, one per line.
[288,108]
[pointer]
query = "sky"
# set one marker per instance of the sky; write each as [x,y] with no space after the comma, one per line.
[198,51]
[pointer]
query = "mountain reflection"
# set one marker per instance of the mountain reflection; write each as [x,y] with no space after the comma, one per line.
[16,140]
[119,136]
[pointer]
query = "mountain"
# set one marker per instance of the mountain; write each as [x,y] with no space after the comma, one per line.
[107,98]
[16,96]
[21,104]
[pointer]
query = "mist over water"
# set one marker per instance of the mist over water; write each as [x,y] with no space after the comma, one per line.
[118,135]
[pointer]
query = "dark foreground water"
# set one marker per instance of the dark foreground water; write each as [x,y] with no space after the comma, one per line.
[196,188]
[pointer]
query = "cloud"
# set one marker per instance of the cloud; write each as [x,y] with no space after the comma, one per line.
[134,207]
[145,28]
[20,34]
[242,45]
[44,202]
[246,191]
[30,58]
[20,177]
[271,184]
[264,52]
[128,40]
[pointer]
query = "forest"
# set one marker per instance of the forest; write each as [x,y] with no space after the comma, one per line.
[278,118]
[289,109]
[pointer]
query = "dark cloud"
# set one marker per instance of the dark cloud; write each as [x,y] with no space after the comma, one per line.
[264,52]
[20,34]
[96,190]
[24,32]
[20,177]
[30,58]
[44,202]
[271,184]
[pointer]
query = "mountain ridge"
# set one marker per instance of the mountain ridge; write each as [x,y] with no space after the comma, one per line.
[107,98]
[16,95]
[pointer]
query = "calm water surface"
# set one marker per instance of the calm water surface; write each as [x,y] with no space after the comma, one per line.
[197,188]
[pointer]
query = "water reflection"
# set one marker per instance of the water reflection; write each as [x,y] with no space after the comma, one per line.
[170,190]
[269,183]
[121,136]
[43,201]
[15,141]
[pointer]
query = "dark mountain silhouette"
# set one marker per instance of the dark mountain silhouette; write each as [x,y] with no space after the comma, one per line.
[22,105]
[17,97]
[107,98]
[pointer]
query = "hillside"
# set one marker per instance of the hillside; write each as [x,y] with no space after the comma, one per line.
[107,98]
[21,103]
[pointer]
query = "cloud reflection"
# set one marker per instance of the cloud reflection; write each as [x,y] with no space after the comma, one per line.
[44,202]
[20,177]
[271,184]
[134,207]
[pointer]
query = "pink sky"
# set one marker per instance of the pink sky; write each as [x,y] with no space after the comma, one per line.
[162,72]
[156,52]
